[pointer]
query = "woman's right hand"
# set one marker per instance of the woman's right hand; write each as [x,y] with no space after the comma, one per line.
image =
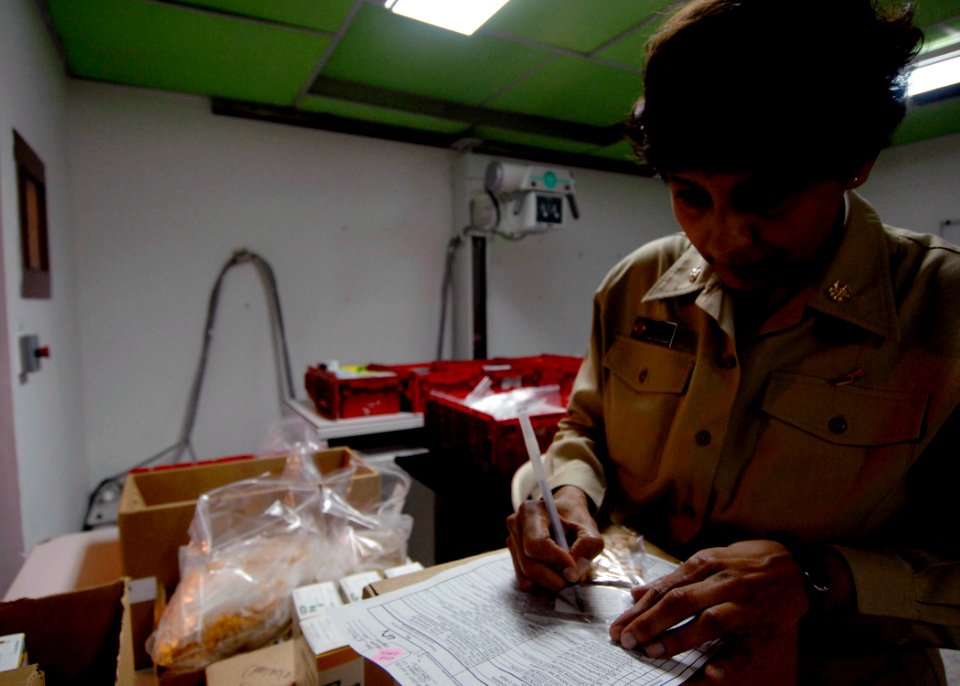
[537,559]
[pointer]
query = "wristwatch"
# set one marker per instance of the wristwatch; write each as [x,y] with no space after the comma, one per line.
[810,559]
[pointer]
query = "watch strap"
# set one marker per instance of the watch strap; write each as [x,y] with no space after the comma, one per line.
[810,558]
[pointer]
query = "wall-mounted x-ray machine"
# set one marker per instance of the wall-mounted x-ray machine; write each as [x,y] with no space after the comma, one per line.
[494,200]
[532,197]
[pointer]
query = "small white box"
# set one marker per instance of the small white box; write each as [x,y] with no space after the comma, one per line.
[308,600]
[400,570]
[353,585]
[12,651]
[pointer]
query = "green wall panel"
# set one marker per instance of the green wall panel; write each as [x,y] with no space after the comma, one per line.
[370,113]
[516,138]
[930,120]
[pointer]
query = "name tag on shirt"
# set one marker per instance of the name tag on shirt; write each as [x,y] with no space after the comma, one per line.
[654,331]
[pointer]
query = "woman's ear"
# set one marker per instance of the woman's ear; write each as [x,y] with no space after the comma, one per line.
[862,174]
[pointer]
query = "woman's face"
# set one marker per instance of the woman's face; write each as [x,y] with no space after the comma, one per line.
[756,231]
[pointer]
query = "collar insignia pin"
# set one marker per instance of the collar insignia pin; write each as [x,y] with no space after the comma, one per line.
[839,292]
[695,274]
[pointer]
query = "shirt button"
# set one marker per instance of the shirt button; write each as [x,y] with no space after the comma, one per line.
[838,425]
[642,376]
[727,362]
[703,438]
[688,510]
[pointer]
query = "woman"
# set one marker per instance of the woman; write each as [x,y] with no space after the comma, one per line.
[772,395]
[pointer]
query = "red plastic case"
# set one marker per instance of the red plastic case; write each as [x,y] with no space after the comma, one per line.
[340,395]
[495,446]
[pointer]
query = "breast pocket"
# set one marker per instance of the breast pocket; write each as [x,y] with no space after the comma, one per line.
[648,368]
[845,415]
[645,385]
[828,457]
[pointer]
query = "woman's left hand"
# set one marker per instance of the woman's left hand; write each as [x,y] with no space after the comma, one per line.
[751,593]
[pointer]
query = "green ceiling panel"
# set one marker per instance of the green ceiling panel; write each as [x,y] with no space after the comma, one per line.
[574,90]
[504,136]
[926,121]
[389,51]
[322,15]
[942,35]
[521,62]
[170,48]
[571,24]
[353,110]
[630,50]
[933,11]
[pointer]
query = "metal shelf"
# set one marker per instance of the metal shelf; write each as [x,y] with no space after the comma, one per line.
[355,426]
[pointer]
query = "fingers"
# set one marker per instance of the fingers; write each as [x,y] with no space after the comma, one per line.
[731,660]
[537,559]
[667,601]
[744,590]
[587,543]
[729,666]
[716,621]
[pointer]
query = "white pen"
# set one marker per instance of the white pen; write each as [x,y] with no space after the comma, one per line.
[533,450]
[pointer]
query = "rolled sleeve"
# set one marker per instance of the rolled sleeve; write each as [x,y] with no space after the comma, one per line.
[885,583]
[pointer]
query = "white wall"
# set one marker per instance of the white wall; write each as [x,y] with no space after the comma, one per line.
[356,229]
[917,186]
[164,191]
[48,429]
[541,288]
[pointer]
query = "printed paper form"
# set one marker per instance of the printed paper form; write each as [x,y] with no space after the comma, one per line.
[471,626]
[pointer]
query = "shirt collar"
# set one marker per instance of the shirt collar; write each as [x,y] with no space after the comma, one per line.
[856,286]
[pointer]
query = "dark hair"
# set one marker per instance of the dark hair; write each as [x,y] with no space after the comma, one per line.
[816,87]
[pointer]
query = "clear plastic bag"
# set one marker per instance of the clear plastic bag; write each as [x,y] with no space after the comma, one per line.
[254,541]
[623,560]
[377,535]
[533,400]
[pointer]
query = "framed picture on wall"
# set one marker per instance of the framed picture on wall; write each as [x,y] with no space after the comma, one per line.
[34,244]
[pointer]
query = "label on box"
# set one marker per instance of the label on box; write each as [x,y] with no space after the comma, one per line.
[142,590]
[11,651]
[270,666]
[352,586]
[322,634]
[331,669]
[402,569]
[308,600]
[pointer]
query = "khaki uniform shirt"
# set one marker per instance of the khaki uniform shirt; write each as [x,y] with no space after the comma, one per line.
[837,420]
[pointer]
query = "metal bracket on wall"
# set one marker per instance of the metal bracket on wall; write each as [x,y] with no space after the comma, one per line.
[31,353]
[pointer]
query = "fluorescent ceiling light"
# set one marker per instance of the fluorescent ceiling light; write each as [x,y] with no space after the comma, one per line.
[934,75]
[462,16]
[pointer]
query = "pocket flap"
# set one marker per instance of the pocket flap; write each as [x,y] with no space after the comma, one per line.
[846,415]
[649,368]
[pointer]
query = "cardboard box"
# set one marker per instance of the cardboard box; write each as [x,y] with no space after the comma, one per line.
[25,676]
[341,665]
[270,666]
[81,637]
[157,507]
